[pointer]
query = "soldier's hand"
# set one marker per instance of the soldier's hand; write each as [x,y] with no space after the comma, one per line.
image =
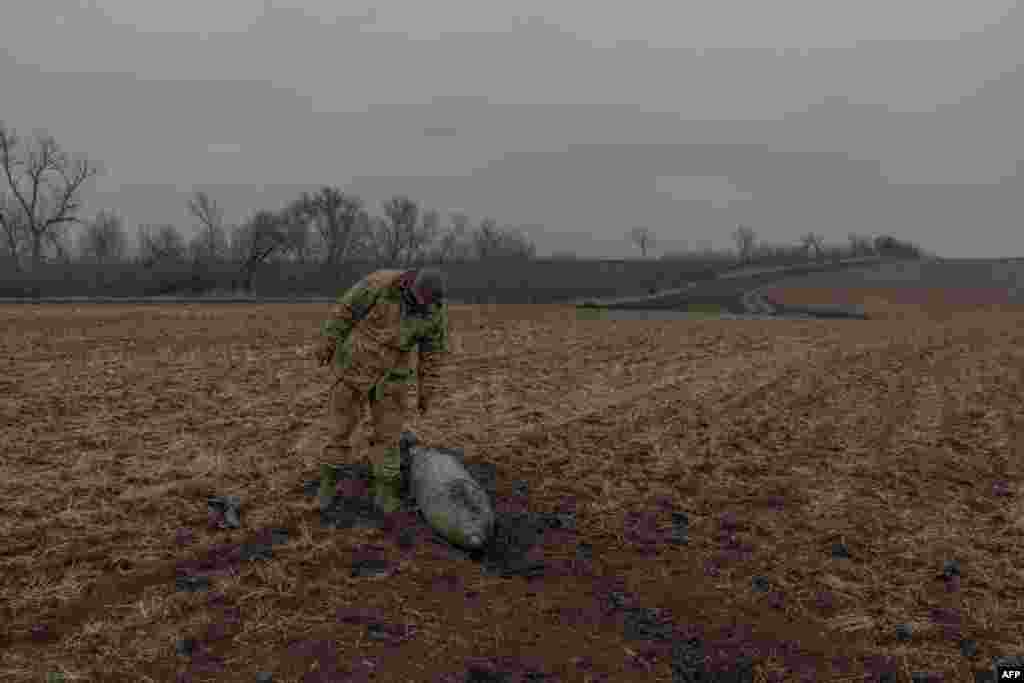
[423,405]
[325,352]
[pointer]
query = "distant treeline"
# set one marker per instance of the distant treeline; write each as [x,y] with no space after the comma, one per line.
[319,243]
[498,281]
[492,281]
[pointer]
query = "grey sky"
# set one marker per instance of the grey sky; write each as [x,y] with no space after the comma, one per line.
[899,116]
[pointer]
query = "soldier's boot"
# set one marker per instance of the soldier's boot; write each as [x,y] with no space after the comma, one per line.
[331,452]
[328,487]
[387,481]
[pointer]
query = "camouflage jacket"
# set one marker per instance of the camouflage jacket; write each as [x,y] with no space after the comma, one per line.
[376,325]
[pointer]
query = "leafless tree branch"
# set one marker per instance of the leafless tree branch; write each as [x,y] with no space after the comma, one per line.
[744,237]
[210,244]
[42,206]
[643,238]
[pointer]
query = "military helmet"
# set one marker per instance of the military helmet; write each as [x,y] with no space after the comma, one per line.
[431,285]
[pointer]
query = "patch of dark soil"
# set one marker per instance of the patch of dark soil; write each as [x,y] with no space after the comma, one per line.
[192,584]
[647,532]
[196,651]
[201,665]
[818,310]
[225,557]
[501,670]
[518,531]
[224,511]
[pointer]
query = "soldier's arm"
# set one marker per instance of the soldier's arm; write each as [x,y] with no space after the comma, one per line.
[351,308]
[433,347]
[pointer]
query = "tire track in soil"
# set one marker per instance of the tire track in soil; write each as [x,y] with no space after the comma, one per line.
[572,379]
[730,544]
[742,423]
[938,485]
[653,417]
[824,445]
[710,378]
[902,400]
[909,407]
[953,474]
[469,368]
[948,481]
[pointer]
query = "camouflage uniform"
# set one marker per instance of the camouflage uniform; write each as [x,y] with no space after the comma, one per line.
[371,334]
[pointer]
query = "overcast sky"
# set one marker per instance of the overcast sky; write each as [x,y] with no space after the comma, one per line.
[575,119]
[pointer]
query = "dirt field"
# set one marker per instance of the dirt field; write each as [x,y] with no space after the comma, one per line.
[781,500]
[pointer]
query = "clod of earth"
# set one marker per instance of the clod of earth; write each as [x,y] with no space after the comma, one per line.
[192,584]
[224,511]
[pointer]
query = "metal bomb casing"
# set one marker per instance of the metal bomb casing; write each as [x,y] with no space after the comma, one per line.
[451,501]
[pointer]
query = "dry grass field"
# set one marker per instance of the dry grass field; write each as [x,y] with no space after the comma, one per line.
[782,500]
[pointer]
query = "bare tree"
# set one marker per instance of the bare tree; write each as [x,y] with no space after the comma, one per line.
[643,238]
[255,241]
[462,249]
[744,237]
[385,242]
[455,242]
[490,241]
[44,183]
[397,235]
[104,240]
[526,246]
[364,243]
[516,244]
[486,239]
[15,230]
[887,245]
[60,240]
[860,245]
[159,244]
[425,235]
[210,244]
[813,241]
[298,240]
[336,215]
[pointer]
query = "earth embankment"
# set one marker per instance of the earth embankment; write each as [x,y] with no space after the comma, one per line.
[906,288]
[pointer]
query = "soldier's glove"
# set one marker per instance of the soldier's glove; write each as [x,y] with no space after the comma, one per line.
[325,352]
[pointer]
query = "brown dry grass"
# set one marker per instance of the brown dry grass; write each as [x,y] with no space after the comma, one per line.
[900,438]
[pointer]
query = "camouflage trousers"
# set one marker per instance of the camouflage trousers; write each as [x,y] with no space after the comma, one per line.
[387,402]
